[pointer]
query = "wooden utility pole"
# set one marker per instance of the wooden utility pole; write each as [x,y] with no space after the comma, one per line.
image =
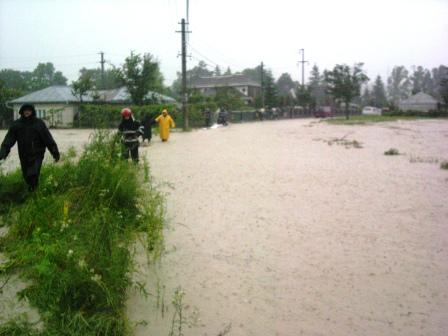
[103,84]
[262,84]
[184,75]
[302,51]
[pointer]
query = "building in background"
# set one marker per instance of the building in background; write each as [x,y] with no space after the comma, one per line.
[249,89]
[419,102]
[59,106]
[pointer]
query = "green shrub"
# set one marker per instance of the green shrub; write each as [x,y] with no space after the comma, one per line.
[444,165]
[392,151]
[71,238]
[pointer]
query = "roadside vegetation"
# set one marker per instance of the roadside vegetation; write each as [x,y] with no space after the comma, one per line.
[367,119]
[70,240]
[392,151]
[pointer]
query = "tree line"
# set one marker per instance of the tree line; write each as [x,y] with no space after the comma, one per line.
[141,73]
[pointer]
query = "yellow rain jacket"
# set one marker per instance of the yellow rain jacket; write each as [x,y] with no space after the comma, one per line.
[165,122]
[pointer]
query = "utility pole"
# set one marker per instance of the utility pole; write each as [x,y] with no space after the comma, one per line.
[184,75]
[262,84]
[302,51]
[103,85]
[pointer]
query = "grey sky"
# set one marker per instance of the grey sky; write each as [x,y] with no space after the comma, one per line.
[235,33]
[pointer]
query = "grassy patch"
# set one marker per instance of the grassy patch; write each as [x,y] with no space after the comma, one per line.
[366,119]
[392,151]
[71,239]
[444,165]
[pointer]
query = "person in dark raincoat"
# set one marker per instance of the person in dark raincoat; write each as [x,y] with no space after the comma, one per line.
[32,137]
[130,130]
[148,122]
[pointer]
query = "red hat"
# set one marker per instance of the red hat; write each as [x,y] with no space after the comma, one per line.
[126,112]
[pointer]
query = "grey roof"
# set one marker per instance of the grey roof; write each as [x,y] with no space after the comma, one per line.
[64,94]
[51,94]
[222,81]
[419,98]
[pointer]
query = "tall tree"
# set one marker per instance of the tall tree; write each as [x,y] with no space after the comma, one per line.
[344,83]
[270,90]
[228,98]
[398,84]
[81,86]
[228,72]
[316,85]
[15,79]
[111,78]
[366,98]
[379,93]
[7,94]
[141,74]
[285,84]
[443,86]
[44,75]
[418,80]
[304,97]
[217,71]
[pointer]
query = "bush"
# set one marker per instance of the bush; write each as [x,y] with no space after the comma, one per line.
[392,151]
[71,238]
[415,113]
[444,165]
[103,115]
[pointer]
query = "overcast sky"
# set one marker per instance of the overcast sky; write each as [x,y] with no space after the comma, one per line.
[235,33]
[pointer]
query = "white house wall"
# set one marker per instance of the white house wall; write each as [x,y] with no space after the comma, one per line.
[64,119]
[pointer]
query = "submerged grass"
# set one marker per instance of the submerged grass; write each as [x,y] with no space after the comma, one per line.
[70,240]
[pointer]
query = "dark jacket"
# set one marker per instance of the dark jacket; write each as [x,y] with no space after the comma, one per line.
[32,137]
[148,122]
[131,130]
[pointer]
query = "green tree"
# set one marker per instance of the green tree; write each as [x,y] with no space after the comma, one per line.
[366,98]
[141,74]
[198,71]
[443,86]
[111,78]
[228,72]
[7,94]
[229,98]
[81,86]
[285,84]
[344,83]
[419,80]
[379,93]
[44,75]
[254,73]
[398,84]
[304,97]
[317,86]
[270,90]
[15,79]
[217,71]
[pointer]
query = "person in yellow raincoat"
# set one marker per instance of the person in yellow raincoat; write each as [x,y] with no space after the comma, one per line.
[165,123]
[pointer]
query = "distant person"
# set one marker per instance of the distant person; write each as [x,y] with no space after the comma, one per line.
[148,122]
[165,123]
[130,130]
[223,117]
[32,137]
[207,117]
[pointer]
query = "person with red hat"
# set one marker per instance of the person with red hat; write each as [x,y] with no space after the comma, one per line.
[130,130]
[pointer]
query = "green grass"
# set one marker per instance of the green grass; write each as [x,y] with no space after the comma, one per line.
[71,239]
[366,119]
